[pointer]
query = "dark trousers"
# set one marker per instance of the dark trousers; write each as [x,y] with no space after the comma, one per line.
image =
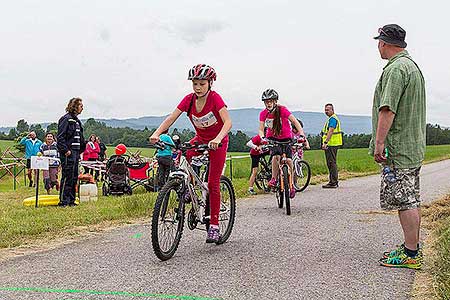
[69,177]
[331,156]
[165,165]
[92,171]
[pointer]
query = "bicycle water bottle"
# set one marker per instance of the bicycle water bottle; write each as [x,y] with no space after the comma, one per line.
[388,172]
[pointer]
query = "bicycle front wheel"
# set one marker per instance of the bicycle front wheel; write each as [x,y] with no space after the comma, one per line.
[280,193]
[286,189]
[227,212]
[302,175]
[167,220]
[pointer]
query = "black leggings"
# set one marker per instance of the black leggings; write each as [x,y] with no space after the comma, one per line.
[165,165]
[91,171]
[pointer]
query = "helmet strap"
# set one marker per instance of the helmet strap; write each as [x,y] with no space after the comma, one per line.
[273,108]
[205,93]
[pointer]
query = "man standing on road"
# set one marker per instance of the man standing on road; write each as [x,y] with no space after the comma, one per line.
[331,141]
[70,144]
[32,148]
[398,141]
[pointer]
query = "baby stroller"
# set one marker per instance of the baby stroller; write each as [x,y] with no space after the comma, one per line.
[140,174]
[117,176]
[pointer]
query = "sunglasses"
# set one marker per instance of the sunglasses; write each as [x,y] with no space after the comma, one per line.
[381,31]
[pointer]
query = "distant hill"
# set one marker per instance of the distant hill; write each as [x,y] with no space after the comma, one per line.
[246,120]
[5,129]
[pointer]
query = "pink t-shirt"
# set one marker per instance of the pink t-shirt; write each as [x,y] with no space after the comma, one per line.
[258,141]
[267,118]
[207,122]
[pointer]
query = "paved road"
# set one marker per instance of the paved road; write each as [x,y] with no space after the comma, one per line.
[327,249]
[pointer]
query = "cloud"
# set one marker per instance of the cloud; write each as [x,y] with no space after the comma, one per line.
[192,31]
[105,36]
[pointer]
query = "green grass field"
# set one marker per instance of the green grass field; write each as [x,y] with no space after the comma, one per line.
[19,225]
[4,144]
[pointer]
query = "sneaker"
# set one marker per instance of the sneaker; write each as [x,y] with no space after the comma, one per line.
[273,182]
[31,183]
[397,250]
[213,235]
[292,193]
[251,191]
[401,260]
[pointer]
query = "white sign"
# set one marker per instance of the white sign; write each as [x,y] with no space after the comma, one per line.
[39,163]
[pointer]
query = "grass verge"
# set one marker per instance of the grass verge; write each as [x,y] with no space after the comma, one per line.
[21,225]
[434,281]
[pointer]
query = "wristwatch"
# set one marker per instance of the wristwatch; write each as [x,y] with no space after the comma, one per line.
[325,142]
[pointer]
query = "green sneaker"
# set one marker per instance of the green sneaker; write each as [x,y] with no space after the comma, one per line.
[397,250]
[401,260]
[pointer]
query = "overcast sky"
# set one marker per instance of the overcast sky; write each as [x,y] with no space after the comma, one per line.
[131,58]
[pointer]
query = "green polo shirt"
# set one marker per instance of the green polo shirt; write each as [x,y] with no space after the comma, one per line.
[401,88]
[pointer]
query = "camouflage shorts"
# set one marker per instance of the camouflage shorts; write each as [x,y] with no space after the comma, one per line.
[403,193]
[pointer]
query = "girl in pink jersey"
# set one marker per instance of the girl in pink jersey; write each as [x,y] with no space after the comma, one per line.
[209,115]
[277,119]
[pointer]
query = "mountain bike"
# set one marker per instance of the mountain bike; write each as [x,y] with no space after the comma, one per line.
[285,178]
[183,188]
[302,170]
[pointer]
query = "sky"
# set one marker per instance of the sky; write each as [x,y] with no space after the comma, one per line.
[131,58]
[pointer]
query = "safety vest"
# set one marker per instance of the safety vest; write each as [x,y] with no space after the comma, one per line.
[336,137]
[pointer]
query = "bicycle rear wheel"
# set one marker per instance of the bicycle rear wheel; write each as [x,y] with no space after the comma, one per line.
[262,182]
[167,220]
[286,189]
[227,212]
[302,175]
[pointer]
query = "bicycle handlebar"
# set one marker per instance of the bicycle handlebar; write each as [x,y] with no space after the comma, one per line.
[183,146]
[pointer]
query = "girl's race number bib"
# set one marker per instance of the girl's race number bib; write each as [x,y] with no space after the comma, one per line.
[205,121]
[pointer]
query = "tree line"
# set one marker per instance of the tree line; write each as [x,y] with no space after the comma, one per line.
[436,135]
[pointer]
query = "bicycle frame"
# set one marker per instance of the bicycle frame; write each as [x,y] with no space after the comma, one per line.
[191,180]
[283,162]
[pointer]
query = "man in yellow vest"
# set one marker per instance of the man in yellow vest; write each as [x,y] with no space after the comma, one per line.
[331,141]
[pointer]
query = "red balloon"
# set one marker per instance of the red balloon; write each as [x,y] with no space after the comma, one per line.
[120,149]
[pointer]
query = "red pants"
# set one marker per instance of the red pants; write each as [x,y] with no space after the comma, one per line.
[216,163]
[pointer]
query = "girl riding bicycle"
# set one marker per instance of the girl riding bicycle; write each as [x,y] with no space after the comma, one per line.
[278,119]
[209,115]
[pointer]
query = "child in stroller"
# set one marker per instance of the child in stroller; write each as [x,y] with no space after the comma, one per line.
[117,176]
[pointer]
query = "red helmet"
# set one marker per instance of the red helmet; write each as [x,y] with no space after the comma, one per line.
[202,71]
[120,149]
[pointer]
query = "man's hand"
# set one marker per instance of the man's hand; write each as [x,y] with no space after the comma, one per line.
[379,154]
[324,146]
[68,153]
